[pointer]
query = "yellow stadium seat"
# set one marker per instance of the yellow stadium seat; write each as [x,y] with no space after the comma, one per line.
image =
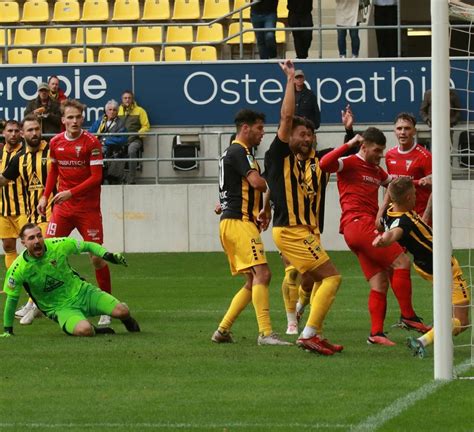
[174,53]
[93,35]
[3,33]
[66,11]
[177,34]
[126,10]
[111,55]
[57,36]
[212,33]
[234,29]
[97,10]
[20,56]
[141,54]
[280,36]
[35,11]
[204,53]
[9,12]
[186,10]
[27,36]
[245,12]
[76,55]
[282,10]
[149,34]
[156,10]
[49,56]
[215,9]
[119,35]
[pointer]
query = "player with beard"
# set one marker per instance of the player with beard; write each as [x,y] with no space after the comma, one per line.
[297,188]
[30,165]
[13,205]
[76,162]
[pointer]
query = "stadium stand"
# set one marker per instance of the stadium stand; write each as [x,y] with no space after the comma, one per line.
[179,34]
[215,9]
[203,53]
[20,56]
[174,54]
[3,37]
[126,10]
[95,10]
[282,10]
[119,35]
[35,11]
[9,12]
[141,54]
[27,36]
[149,34]
[234,29]
[111,55]
[186,10]
[245,12]
[76,55]
[156,10]
[212,33]
[49,56]
[93,35]
[66,11]
[58,36]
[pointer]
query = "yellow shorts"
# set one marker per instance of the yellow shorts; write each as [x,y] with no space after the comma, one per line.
[242,244]
[301,246]
[10,226]
[460,290]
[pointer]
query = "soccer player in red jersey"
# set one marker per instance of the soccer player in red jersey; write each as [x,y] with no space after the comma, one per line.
[76,161]
[359,177]
[410,159]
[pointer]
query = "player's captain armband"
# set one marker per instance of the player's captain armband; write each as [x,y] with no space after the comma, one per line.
[395,224]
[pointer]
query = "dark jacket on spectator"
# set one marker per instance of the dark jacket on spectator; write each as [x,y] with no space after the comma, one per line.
[50,120]
[307,106]
[300,6]
[118,125]
[265,6]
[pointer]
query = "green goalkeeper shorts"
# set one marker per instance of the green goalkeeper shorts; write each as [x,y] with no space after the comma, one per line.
[91,302]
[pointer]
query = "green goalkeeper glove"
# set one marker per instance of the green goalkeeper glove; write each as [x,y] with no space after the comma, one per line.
[115,258]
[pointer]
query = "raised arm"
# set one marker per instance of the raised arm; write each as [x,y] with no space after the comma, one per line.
[330,161]
[288,104]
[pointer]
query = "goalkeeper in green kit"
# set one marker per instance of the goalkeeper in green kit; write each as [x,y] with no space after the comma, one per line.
[58,291]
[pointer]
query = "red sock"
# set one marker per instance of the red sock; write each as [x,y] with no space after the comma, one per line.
[377,309]
[401,286]
[103,279]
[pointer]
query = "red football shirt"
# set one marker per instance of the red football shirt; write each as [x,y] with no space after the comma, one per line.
[73,159]
[358,183]
[414,163]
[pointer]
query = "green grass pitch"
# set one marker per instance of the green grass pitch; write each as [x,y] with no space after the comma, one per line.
[171,377]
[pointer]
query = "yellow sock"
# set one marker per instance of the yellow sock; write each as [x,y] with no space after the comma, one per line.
[322,300]
[428,337]
[303,296]
[289,288]
[237,305]
[9,258]
[261,304]
[316,286]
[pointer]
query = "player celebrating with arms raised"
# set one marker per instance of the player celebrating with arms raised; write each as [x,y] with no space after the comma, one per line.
[58,291]
[76,160]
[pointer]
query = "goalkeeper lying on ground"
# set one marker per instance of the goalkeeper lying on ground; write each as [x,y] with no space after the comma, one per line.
[58,291]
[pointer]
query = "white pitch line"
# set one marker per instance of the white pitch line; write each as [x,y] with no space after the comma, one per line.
[176,426]
[396,408]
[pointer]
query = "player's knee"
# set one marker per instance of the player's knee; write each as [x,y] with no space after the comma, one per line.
[98,262]
[266,276]
[402,262]
[121,311]
[84,329]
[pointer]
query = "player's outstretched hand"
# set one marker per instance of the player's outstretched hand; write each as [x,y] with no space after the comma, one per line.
[288,67]
[115,258]
[347,117]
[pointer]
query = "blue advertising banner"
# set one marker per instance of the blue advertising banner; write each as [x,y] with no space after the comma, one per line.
[210,94]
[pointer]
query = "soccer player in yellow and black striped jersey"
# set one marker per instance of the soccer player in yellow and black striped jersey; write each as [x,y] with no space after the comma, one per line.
[297,188]
[240,196]
[13,202]
[30,165]
[403,225]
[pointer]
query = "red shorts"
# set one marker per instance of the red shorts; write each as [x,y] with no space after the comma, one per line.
[88,224]
[359,235]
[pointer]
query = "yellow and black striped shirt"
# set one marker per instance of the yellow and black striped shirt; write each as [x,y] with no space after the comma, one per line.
[14,202]
[297,187]
[238,199]
[417,236]
[31,168]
